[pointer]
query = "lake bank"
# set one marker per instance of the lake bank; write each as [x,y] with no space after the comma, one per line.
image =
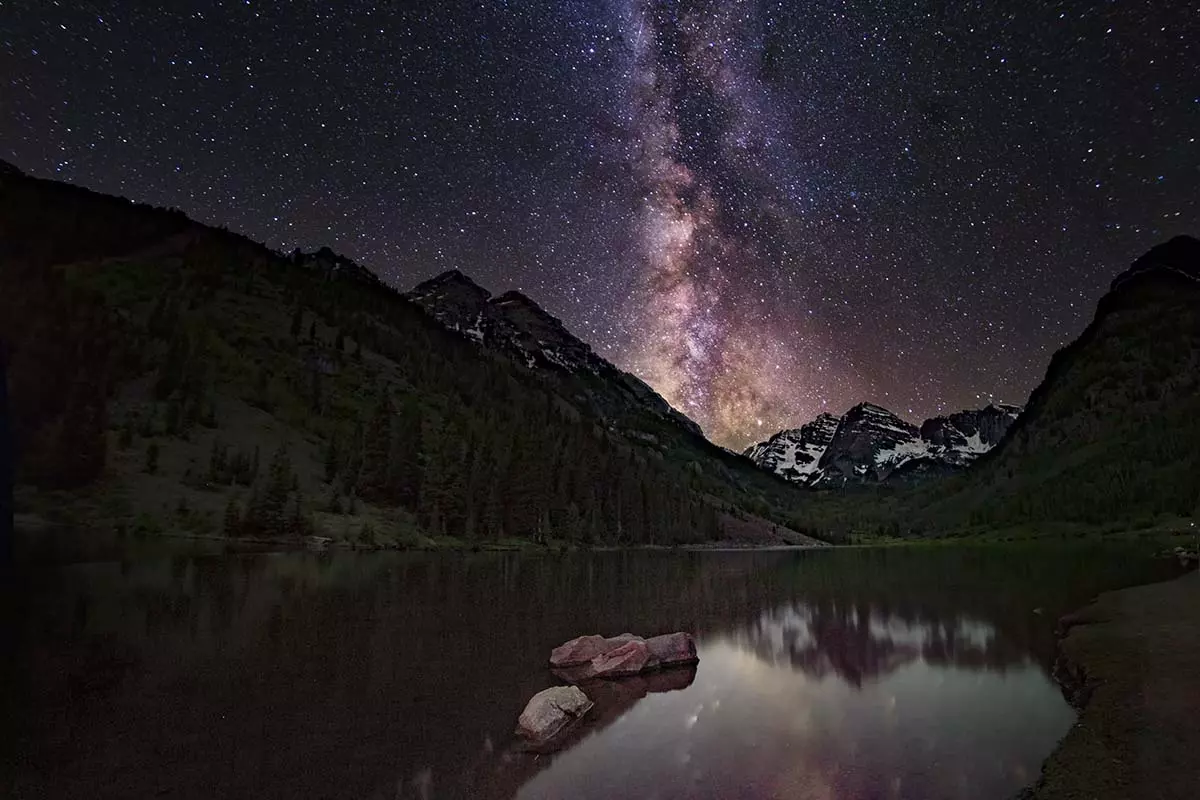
[1129,661]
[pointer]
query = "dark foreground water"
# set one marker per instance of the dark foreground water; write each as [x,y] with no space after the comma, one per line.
[843,674]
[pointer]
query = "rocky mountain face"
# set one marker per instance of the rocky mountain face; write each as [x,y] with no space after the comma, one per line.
[518,327]
[796,453]
[870,444]
[1112,434]
[333,266]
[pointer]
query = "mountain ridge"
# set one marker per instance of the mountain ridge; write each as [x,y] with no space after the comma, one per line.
[515,324]
[172,376]
[870,444]
[1112,432]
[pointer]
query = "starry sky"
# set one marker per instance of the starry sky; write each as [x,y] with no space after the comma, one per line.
[765,209]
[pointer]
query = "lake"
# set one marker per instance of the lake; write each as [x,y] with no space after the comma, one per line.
[855,673]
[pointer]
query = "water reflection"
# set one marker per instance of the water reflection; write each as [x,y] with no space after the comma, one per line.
[843,674]
[800,705]
[857,642]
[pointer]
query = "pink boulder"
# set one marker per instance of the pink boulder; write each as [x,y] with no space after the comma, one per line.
[582,649]
[579,651]
[628,659]
[672,649]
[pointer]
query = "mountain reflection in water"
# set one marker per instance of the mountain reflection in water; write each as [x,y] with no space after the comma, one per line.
[843,674]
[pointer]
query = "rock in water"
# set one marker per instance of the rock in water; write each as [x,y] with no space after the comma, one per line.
[578,651]
[582,649]
[628,659]
[672,649]
[586,658]
[550,713]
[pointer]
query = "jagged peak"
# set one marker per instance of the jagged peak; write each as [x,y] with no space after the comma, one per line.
[451,277]
[868,410]
[867,406]
[521,310]
[517,298]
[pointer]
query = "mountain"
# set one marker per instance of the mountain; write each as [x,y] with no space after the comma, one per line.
[168,376]
[516,326]
[1111,437]
[870,445]
[795,454]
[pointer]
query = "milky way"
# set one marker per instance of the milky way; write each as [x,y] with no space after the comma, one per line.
[699,139]
[767,209]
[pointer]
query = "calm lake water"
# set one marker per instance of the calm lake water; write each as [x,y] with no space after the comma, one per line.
[841,674]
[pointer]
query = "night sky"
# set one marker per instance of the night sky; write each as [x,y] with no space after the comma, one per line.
[765,209]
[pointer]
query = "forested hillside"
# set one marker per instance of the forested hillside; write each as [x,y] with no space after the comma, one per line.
[168,376]
[1113,432]
[1108,443]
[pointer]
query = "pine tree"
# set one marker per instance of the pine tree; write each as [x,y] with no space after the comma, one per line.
[152,458]
[295,525]
[173,370]
[125,437]
[404,458]
[297,321]
[266,512]
[376,446]
[217,462]
[315,394]
[174,417]
[233,518]
[209,418]
[331,459]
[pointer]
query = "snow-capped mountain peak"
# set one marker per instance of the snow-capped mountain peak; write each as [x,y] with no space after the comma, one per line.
[870,444]
[796,453]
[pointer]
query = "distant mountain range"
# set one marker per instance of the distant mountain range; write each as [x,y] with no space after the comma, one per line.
[871,445]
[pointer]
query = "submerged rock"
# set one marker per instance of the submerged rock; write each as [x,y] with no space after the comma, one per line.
[550,713]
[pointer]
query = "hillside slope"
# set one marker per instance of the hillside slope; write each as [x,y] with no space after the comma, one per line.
[1113,432]
[167,375]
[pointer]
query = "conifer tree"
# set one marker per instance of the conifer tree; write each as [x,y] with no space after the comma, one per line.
[376,447]
[152,458]
[232,525]
[297,321]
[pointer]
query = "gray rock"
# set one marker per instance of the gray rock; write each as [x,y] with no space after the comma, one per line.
[550,713]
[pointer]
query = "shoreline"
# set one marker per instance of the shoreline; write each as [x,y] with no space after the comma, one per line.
[1129,662]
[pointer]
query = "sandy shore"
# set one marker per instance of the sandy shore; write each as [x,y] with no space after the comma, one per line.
[1131,663]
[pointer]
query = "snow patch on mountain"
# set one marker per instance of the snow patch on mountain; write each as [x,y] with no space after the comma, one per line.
[870,444]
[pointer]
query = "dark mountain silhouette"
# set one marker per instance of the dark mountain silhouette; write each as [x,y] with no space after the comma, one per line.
[1112,433]
[167,375]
